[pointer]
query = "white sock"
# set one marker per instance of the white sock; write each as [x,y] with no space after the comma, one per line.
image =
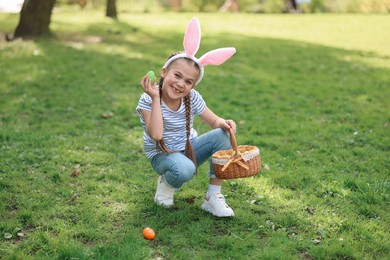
[213,189]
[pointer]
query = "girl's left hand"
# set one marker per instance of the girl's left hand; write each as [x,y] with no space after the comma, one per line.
[230,124]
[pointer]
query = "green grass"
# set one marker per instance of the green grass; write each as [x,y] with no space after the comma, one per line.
[311,91]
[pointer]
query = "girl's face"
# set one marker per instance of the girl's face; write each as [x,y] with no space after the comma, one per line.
[179,79]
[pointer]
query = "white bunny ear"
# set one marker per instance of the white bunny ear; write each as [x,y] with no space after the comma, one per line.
[192,37]
[217,56]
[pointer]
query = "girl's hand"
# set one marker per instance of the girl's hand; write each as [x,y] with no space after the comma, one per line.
[150,88]
[227,124]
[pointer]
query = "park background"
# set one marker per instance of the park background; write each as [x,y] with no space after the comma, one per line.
[309,87]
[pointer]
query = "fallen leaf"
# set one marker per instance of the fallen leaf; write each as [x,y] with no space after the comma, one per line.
[107,114]
[74,197]
[317,240]
[305,255]
[75,173]
[309,210]
[191,200]
[7,235]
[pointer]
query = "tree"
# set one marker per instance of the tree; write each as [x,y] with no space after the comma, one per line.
[294,4]
[176,5]
[229,4]
[111,9]
[34,18]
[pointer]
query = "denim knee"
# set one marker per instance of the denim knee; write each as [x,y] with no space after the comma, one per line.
[176,168]
[222,139]
[178,174]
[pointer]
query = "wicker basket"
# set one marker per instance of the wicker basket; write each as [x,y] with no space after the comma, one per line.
[238,162]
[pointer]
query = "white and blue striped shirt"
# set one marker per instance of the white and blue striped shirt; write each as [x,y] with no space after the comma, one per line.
[174,123]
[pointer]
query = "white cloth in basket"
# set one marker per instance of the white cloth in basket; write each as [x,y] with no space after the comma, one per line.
[246,156]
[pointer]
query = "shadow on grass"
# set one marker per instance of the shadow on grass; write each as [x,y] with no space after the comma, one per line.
[318,114]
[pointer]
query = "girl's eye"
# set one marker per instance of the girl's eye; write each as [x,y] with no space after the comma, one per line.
[177,75]
[189,82]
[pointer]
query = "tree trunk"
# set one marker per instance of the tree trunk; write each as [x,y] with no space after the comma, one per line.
[175,5]
[111,9]
[34,18]
[294,4]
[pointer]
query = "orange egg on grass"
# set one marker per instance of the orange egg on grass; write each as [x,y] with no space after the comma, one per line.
[148,233]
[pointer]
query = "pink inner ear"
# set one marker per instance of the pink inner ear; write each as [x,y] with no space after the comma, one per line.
[192,37]
[217,56]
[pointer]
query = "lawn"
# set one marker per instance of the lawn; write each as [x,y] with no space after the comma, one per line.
[311,91]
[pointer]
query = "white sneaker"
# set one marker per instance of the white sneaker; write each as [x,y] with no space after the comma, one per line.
[216,205]
[164,193]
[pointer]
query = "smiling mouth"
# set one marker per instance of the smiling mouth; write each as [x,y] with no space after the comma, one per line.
[176,90]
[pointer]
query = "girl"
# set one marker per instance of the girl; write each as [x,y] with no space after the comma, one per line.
[167,111]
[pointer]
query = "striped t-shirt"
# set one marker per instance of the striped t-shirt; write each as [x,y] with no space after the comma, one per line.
[174,123]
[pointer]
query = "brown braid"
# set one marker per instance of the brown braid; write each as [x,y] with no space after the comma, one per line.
[189,151]
[161,144]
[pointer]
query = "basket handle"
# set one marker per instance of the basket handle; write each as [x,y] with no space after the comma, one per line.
[233,141]
[236,158]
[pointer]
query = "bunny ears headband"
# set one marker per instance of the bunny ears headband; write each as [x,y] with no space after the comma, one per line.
[191,44]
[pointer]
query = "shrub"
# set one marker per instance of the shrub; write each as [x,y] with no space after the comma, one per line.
[358,6]
[274,6]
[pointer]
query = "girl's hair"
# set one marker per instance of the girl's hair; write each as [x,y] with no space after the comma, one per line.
[189,151]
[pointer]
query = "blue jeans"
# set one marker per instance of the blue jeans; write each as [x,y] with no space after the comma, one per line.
[178,169]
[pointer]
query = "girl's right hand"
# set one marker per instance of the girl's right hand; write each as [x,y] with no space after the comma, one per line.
[150,88]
